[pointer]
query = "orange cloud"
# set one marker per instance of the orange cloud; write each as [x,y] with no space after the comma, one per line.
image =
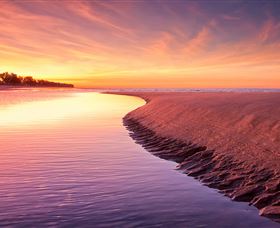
[161,45]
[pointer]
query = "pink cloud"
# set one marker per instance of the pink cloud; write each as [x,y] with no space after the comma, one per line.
[91,13]
[230,17]
[269,30]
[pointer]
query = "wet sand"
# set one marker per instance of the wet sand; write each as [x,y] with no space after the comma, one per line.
[229,141]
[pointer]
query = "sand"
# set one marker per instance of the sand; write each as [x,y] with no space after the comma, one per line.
[229,141]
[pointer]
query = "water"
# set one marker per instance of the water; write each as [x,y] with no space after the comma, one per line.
[66,160]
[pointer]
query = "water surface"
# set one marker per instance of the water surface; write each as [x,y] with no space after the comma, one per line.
[67,160]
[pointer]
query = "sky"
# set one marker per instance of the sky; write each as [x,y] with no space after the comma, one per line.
[152,43]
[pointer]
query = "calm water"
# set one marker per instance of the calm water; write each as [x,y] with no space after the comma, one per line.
[66,160]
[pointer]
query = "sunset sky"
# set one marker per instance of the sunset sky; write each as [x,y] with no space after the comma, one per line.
[143,43]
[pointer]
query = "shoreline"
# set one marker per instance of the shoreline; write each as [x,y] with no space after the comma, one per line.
[228,141]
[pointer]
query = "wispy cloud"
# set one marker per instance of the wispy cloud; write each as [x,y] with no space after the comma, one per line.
[198,43]
[270,30]
[230,17]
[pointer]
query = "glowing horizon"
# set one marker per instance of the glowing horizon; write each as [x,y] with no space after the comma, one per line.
[143,43]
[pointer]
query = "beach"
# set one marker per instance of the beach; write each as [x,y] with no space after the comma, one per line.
[228,140]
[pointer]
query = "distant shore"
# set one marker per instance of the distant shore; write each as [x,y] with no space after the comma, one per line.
[229,141]
[8,87]
[14,80]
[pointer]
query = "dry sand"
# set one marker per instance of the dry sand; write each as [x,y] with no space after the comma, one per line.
[229,141]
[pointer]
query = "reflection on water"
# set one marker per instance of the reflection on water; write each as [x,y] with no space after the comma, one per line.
[66,160]
[60,109]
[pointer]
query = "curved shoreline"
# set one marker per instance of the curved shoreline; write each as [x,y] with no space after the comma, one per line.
[238,176]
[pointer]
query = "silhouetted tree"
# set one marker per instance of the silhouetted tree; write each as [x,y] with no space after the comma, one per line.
[15,80]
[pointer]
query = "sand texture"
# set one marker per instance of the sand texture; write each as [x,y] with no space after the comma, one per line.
[229,141]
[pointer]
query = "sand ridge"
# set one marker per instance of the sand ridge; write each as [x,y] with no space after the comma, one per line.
[229,141]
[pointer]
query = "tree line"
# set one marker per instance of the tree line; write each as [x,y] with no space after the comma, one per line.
[12,79]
